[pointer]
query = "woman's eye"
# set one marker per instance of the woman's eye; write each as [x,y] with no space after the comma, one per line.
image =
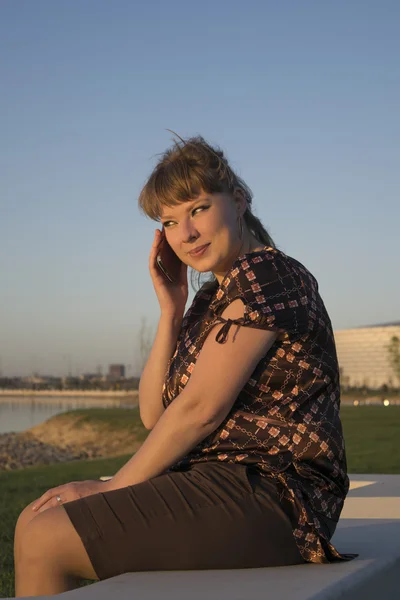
[167,223]
[200,208]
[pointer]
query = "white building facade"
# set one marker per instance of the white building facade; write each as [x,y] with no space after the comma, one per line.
[364,358]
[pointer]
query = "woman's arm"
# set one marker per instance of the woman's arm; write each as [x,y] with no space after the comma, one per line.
[220,373]
[152,379]
[172,299]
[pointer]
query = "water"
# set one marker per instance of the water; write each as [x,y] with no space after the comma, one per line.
[18,414]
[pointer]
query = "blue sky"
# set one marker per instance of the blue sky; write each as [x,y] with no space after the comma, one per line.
[302,96]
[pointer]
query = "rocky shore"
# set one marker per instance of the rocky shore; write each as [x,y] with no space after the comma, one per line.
[62,439]
[23,450]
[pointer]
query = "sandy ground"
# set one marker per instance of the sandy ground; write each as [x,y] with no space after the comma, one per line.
[63,432]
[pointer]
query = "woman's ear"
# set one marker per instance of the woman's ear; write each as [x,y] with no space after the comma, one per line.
[240,200]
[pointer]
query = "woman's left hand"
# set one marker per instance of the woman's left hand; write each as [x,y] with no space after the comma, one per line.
[68,492]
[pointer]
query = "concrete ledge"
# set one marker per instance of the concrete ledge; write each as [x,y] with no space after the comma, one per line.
[369,526]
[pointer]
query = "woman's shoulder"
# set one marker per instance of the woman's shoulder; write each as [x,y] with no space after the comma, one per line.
[276,289]
[265,267]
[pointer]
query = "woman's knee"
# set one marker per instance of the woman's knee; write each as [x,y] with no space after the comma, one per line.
[23,520]
[50,539]
[34,535]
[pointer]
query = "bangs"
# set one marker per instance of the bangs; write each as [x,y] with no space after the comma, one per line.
[175,182]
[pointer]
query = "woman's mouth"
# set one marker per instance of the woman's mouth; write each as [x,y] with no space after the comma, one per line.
[199,252]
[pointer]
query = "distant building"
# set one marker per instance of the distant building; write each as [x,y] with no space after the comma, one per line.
[117,371]
[364,358]
[34,379]
[88,376]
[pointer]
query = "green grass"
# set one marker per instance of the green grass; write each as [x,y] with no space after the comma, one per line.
[114,418]
[371,435]
[109,419]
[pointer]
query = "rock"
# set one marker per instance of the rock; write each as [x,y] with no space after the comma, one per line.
[19,450]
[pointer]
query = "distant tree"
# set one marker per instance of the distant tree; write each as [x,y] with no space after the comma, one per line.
[393,349]
[344,380]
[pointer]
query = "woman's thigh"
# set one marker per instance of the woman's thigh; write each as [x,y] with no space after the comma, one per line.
[206,518]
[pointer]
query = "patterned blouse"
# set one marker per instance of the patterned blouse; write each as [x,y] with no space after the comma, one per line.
[285,422]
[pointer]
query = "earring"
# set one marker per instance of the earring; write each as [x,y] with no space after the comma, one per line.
[240,223]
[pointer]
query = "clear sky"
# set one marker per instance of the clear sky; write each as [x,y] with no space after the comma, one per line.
[304,98]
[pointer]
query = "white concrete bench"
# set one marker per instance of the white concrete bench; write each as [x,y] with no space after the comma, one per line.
[369,526]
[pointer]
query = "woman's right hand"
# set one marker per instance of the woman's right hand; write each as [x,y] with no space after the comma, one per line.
[172,297]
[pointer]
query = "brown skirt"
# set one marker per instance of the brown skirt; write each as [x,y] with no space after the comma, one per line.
[212,516]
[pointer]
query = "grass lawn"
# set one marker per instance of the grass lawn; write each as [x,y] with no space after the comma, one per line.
[371,434]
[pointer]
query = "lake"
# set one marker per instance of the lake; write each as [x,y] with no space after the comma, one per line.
[20,413]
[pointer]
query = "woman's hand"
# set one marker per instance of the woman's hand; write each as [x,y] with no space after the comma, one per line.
[172,297]
[68,492]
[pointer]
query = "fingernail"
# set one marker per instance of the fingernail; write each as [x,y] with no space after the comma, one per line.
[34,507]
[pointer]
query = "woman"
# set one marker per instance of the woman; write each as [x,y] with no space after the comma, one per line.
[245,464]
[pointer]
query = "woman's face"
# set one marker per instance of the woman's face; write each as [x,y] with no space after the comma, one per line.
[209,220]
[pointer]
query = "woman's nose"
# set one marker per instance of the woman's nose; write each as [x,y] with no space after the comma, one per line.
[189,232]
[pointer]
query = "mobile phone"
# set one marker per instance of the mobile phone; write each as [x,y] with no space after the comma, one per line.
[167,261]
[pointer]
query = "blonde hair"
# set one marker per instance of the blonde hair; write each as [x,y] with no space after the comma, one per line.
[187,169]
